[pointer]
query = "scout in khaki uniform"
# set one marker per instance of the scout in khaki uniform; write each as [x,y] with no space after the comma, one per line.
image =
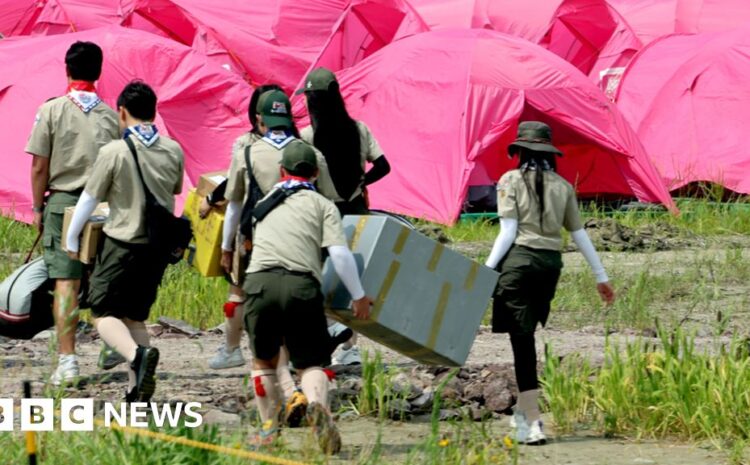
[68,133]
[284,303]
[348,146]
[127,273]
[534,204]
[275,123]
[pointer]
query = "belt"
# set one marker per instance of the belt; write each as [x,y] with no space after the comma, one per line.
[284,271]
[75,192]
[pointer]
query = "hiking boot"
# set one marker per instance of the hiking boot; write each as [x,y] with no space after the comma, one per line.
[339,335]
[295,409]
[324,429]
[67,371]
[109,358]
[144,365]
[348,356]
[227,359]
[264,438]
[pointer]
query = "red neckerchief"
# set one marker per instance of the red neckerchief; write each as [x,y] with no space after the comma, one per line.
[290,177]
[81,86]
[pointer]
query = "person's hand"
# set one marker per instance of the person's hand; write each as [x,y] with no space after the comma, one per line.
[74,255]
[38,221]
[204,208]
[606,292]
[361,308]
[227,256]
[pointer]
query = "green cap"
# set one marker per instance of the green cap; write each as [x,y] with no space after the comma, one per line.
[533,135]
[318,79]
[297,153]
[275,108]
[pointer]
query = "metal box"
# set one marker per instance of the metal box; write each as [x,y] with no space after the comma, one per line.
[429,299]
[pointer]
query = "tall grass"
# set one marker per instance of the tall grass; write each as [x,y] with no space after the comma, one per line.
[671,390]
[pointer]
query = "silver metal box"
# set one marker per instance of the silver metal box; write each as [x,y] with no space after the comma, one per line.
[429,299]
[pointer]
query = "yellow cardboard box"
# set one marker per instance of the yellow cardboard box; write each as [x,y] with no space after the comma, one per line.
[207,233]
[91,235]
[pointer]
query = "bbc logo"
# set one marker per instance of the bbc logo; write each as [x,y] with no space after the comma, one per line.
[39,414]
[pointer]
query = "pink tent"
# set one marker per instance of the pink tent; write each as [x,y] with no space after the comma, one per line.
[365,27]
[444,105]
[687,97]
[201,105]
[588,33]
[264,40]
[651,19]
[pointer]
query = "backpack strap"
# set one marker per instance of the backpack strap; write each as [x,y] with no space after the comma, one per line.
[276,198]
[149,196]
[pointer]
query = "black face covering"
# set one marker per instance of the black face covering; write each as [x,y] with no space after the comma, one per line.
[336,135]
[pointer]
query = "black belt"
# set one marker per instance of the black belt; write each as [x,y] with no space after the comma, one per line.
[284,271]
[75,192]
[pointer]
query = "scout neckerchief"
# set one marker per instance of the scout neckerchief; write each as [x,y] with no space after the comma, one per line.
[83,94]
[144,132]
[292,182]
[278,139]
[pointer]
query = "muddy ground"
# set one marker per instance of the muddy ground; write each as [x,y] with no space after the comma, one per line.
[484,388]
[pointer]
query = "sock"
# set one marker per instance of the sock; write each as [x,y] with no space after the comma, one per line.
[528,403]
[267,397]
[315,385]
[115,333]
[235,322]
[138,332]
[286,381]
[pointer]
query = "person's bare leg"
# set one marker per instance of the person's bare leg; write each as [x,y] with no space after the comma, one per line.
[65,309]
[267,392]
[234,320]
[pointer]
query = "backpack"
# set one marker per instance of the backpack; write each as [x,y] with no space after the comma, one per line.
[168,235]
[26,301]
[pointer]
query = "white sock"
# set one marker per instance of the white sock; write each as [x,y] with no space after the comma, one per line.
[528,403]
[267,397]
[236,323]
[286,381]
[314,383]
[117,335]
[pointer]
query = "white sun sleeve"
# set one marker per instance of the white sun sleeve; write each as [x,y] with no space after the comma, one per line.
[504,241]
[231,223]
[345,266]
[584,244]
[84,208]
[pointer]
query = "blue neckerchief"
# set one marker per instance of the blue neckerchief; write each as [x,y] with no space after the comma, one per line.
[292,183]
[147,133]
[86,101]
[278,139]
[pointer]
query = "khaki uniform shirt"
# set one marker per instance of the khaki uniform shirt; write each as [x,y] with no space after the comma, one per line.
[293,234]
[115,180]
[515,200]
[369,151]
[265,159]
[71,139]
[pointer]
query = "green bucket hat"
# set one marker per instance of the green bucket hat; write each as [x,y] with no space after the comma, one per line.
[298,153]
[275,108]
[533,135]
[318,79]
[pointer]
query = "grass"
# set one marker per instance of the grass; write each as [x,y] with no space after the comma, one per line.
[656,391]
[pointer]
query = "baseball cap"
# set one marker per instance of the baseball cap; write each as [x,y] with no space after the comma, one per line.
[298,153]
[318,79]
[275,109]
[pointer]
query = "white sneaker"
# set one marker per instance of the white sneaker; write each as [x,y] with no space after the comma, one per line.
[349,356]
[529,434]
[224,359]
[67,371]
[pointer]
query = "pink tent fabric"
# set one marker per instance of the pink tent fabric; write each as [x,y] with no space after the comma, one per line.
[483,83]
[588,33]
[48,17]
[201,105]
[651,19]
[687,97]
[365,27]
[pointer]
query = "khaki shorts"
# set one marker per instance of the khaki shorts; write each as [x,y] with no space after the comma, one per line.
[283,308]
[59,265]
[125,280]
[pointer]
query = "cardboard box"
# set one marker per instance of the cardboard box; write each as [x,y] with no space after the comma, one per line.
[429,300]
[210,181]
[92,233]
[207,235]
